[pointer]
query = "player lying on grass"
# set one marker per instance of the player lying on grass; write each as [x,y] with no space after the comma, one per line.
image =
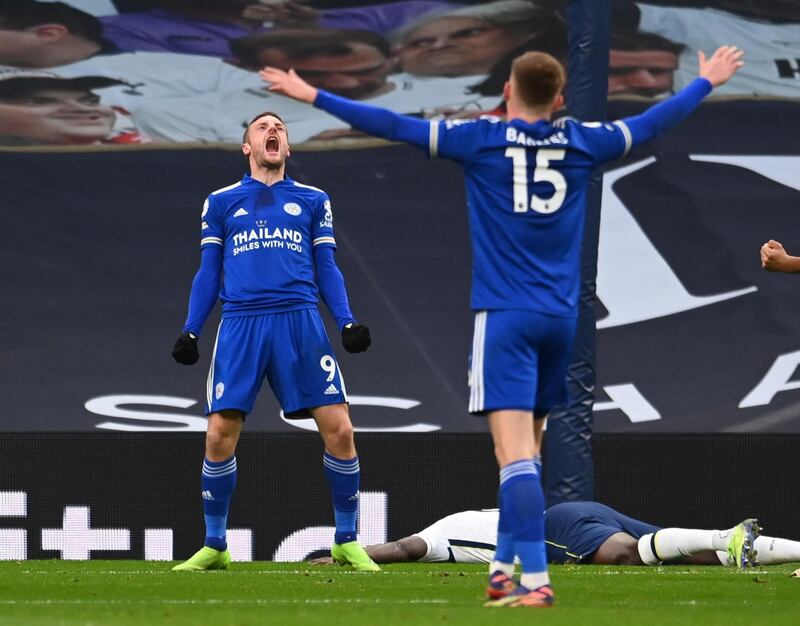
[589,533]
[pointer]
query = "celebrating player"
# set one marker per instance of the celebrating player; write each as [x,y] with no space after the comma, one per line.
[590,533]
[271,235]
[526,187]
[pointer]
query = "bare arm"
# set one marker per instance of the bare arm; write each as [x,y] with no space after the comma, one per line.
[774,258]
[404,550]
[714,71]
[721,66]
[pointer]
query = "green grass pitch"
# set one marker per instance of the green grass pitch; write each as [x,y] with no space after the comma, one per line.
[34,593]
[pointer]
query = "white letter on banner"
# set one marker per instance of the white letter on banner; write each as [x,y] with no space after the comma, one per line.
[109,406]
[157,544]
[382,401]
[76,538]
[372,523]
[13,541]
[775,380]
[634,282]
[240,544]
[630,401]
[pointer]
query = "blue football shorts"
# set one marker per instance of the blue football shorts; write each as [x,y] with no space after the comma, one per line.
[519,361]
[575,530]
[290,349]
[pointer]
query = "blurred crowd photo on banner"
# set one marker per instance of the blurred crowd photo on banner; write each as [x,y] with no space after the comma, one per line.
[83,72]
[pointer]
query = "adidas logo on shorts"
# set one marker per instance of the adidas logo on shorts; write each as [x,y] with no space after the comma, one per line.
[331,390]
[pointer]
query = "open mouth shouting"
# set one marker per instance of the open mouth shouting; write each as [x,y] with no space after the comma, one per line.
[272,146]
[266,141]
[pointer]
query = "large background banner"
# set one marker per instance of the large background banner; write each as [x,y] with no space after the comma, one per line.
[134,496]
[118,118]
[693,335]
[93,72]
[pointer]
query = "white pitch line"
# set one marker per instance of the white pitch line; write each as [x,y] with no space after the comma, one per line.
[669,570]
[331,572]
[216,601]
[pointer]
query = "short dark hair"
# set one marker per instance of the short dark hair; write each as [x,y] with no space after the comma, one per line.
[553,40]
[631,41]
[258,117]
[20,84]
[304,43]
[22,14]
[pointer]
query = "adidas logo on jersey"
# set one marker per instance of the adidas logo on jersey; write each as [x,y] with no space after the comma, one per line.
[331,390]
[240,213]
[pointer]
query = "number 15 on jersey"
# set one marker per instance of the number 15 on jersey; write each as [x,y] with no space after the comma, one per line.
[542,173]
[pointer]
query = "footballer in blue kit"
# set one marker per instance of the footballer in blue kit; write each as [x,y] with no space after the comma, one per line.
[267,251]
[269,296]
[526,180]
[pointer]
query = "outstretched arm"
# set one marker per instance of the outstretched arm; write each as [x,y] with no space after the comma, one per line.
[406,550]
[373,120]
[665,115]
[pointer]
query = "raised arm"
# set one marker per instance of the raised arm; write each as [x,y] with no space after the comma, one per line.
[204,294]
[373,120]
[667,114]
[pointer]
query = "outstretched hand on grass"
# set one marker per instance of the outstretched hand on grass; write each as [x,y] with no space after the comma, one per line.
[723,64]
[288,84]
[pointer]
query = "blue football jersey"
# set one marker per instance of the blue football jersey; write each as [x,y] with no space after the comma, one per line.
[267,234]
[526,190]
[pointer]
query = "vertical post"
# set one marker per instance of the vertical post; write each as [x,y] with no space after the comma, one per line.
[569,473]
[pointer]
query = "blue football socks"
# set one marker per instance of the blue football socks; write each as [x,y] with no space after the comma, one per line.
[343,479]
[504,551]
[522,510]
[218,482]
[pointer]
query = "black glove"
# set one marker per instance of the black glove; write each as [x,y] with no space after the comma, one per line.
[355,337]
[185,350]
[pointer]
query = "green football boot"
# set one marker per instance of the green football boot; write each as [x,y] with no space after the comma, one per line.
[741,552]
[205,559]
[351,553]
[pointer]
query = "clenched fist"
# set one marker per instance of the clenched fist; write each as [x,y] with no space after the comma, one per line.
[775,259]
